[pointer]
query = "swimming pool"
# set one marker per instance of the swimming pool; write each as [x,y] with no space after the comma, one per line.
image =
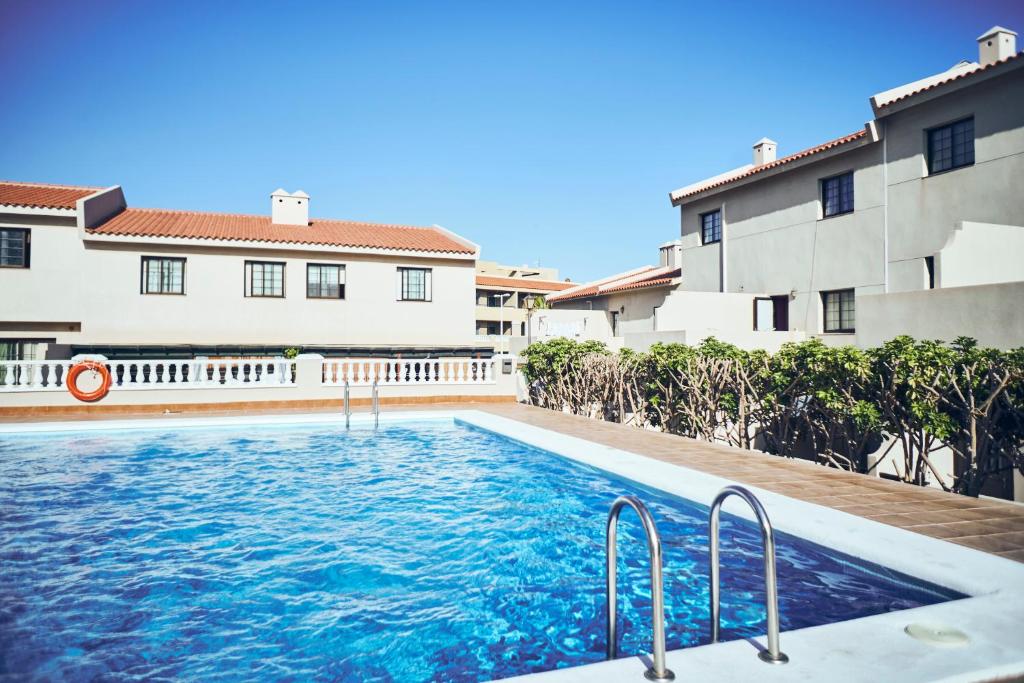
[430,550]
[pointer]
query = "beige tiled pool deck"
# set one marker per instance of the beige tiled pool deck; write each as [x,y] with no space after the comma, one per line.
[984,524]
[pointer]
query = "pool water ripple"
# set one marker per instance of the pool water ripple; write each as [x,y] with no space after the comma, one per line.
[429,551]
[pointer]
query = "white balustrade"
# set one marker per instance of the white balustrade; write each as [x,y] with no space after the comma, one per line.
[191,373]
[395,371]
[33,375]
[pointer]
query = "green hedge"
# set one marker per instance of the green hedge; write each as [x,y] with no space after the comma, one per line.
[833,404]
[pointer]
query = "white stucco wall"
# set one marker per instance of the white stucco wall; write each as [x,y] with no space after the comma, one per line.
[924,210]
[981,253]
[581,325]
[992,314]
[777,243]
[98,285]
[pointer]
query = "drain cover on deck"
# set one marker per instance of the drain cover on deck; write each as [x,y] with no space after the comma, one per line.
[938,635]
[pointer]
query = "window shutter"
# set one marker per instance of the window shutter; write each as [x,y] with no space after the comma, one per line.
[248,279]
[341,275]
[428,289]
[398,286]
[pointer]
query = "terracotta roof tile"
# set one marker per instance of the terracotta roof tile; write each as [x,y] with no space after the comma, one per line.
[642,284]
[523,283]
[243,228]
[638,279]
[749,171]
[944,81]
[41,195]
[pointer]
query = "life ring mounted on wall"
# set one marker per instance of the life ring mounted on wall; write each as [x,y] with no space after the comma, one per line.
[88,396]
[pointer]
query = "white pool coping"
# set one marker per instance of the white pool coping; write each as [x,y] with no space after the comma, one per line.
[868,649]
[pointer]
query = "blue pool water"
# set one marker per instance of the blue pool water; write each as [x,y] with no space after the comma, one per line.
[426,551]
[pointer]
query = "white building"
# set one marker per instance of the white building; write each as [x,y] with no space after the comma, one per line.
[506,296]
[912,225]
[83,272]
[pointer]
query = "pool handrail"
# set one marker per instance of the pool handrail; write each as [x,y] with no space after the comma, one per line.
[376,405]
[773,655]
[348,407]
[658,671]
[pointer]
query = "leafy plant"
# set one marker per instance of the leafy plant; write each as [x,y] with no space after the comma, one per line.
[836,405]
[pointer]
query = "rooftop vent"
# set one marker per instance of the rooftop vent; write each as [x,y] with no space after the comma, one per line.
[996,44]
[289,209]
[764,151]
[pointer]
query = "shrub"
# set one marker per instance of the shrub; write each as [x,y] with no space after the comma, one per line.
[834,404]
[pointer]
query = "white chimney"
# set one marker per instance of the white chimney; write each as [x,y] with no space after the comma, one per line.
[289,209]
[996,44]
[764,151]
[671,255]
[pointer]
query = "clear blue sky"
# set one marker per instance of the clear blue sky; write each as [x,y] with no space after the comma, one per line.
[545,131]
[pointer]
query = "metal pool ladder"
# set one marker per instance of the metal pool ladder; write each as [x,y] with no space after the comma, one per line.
[348,407]
[773,655]
[658,672]
[376,405]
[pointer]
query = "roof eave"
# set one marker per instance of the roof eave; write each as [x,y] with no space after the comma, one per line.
[21,210]
[830,153]
[966,80]
[264,245]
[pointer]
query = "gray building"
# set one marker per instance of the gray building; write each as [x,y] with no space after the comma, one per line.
[912,225]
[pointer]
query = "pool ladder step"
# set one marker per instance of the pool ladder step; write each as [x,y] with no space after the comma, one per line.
[374,405]
[658,671]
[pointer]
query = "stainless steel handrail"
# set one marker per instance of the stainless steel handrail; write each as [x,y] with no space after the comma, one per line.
[658,672]
[376,405]
[348,407]
[773,654]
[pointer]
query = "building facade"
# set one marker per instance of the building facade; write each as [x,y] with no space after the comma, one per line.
[507,295]
[84,273]
[924,197]
[913,224]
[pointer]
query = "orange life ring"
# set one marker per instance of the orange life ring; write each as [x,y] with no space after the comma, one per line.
[96,394]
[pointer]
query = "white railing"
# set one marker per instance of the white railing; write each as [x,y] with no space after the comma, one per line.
[394,371]
[192,373]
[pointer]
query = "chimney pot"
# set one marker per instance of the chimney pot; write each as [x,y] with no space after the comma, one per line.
[996,44]
[671,254]
[764,151]
[289,209]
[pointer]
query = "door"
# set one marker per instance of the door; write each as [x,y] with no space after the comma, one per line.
[780,312]
[763,315]
[615,323]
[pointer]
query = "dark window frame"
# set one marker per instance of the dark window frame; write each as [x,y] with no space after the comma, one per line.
[247,279]
[844,191]
[144,271]
[942,139]
[320,284]
[428,291]
[843,328]
[26,248]
[714,228]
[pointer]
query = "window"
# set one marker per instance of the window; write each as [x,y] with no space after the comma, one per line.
[837,195]
[414,284]
[264,279]
[14,247]
[839,310]
[13,349]
[951,146]
[711,227]
[163,275]
[325,281]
